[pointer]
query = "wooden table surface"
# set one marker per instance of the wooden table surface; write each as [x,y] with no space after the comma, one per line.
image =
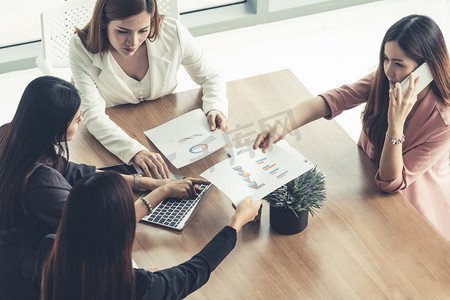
[361,244]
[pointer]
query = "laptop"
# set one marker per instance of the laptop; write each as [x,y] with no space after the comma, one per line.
[171,213]
[176,213]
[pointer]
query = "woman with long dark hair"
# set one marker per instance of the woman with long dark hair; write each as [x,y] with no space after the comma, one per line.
[406,133]
[36,177]
[91,256]
[129,53]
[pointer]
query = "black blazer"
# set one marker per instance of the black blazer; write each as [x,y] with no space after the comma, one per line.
[173,283]
[45,196]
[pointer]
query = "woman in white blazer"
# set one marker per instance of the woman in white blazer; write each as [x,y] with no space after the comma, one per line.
[128,53]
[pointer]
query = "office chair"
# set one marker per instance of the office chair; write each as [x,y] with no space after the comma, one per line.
[168,8]
[58,26]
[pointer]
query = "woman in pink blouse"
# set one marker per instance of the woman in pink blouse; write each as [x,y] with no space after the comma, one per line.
[407,133]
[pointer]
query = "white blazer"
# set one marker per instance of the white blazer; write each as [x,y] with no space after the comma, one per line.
[100,87]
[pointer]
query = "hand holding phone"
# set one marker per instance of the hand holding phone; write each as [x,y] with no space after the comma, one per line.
[424,72]
[399,110]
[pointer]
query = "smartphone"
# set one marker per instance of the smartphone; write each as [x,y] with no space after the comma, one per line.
[124,169]
[424,72]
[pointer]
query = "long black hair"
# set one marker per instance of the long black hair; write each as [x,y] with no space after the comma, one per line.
[37,133]
[422,40]
[91,258]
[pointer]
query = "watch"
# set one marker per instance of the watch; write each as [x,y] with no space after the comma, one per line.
[137,179]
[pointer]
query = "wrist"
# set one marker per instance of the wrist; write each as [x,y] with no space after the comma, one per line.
[147,205]
[395,141]
[395,132]
[138,184]
[143,207]
[235,223]
[282,128]
[150,183]
[164,190]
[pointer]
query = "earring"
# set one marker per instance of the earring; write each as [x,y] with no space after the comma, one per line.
[103,26]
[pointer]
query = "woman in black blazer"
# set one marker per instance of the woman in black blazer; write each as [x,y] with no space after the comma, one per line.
[91,256]
[36,177]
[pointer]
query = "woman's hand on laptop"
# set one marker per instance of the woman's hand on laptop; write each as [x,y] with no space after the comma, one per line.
[183,189]
[180,189]
[152,183]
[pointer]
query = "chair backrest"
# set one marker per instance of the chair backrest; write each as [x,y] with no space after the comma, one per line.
[58,25]
[168,8]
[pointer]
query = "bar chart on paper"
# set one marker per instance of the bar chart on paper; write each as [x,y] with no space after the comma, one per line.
[255,173]
[272,169]
[247,178]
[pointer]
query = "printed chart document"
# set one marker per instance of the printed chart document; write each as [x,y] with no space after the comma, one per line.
[187,138]
[254,173]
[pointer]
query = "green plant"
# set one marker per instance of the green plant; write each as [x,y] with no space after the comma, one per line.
[306,192]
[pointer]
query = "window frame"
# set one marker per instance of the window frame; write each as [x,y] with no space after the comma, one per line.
[222,18]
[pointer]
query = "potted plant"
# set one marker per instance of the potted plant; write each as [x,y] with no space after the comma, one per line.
[291,203]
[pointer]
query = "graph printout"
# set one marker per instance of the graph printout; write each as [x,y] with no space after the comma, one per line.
[256,174]
[187,138]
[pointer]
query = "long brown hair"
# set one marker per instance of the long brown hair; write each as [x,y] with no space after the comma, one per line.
[94,35]
[422,40]
[91,257]
[36,134]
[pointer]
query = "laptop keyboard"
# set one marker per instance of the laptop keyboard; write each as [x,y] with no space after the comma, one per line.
[175,213]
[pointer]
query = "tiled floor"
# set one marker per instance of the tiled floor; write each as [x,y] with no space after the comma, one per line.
[323,50]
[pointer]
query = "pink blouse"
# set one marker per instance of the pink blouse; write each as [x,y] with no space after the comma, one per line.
[425,178]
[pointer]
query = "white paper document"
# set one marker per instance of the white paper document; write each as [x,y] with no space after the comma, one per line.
[187,138]
[254,173]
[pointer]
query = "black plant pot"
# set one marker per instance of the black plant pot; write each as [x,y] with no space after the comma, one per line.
[284,220]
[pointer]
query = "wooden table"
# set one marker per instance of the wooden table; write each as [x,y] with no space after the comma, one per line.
[361,244]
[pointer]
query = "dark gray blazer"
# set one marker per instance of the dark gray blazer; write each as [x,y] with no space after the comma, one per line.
[46,194]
